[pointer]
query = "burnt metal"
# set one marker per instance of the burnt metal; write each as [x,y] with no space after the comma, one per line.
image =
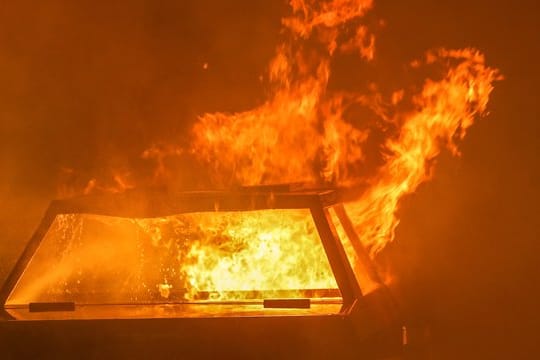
[27,254]
[51,306]
[350,290]
[287,303]
[145,204]
[356,243]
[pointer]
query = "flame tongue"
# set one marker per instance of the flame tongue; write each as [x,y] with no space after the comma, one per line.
[445,109]
[300,134]
[300,119]
[306,131]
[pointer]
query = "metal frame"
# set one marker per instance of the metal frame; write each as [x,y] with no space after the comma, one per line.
[361,252]
[157,203]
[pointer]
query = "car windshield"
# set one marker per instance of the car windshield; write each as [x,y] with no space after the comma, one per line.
[190,258]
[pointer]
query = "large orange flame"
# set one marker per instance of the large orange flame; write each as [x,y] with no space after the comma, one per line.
[300,124]
[300,134]
[444,111]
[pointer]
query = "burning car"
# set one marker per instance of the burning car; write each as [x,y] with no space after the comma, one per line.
[260,272]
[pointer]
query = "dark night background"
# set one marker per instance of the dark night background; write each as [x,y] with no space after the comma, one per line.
[89,85]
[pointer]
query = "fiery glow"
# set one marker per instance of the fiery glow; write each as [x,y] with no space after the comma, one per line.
[233,255]
[300,119]
[249,255]
[300,133]
[304,132]
[444,111]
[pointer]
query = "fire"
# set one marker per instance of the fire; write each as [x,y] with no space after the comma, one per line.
[247,255]
[230,254]
[445,109]
[302,133]
[299,119]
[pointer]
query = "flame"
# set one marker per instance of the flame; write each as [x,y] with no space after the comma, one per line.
[242,252]
[72,183]
[299,119]
[444,111]
[248,255]
[302,133]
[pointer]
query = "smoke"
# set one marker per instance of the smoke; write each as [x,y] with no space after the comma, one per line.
[128,121]
[87,89]
[90,86]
